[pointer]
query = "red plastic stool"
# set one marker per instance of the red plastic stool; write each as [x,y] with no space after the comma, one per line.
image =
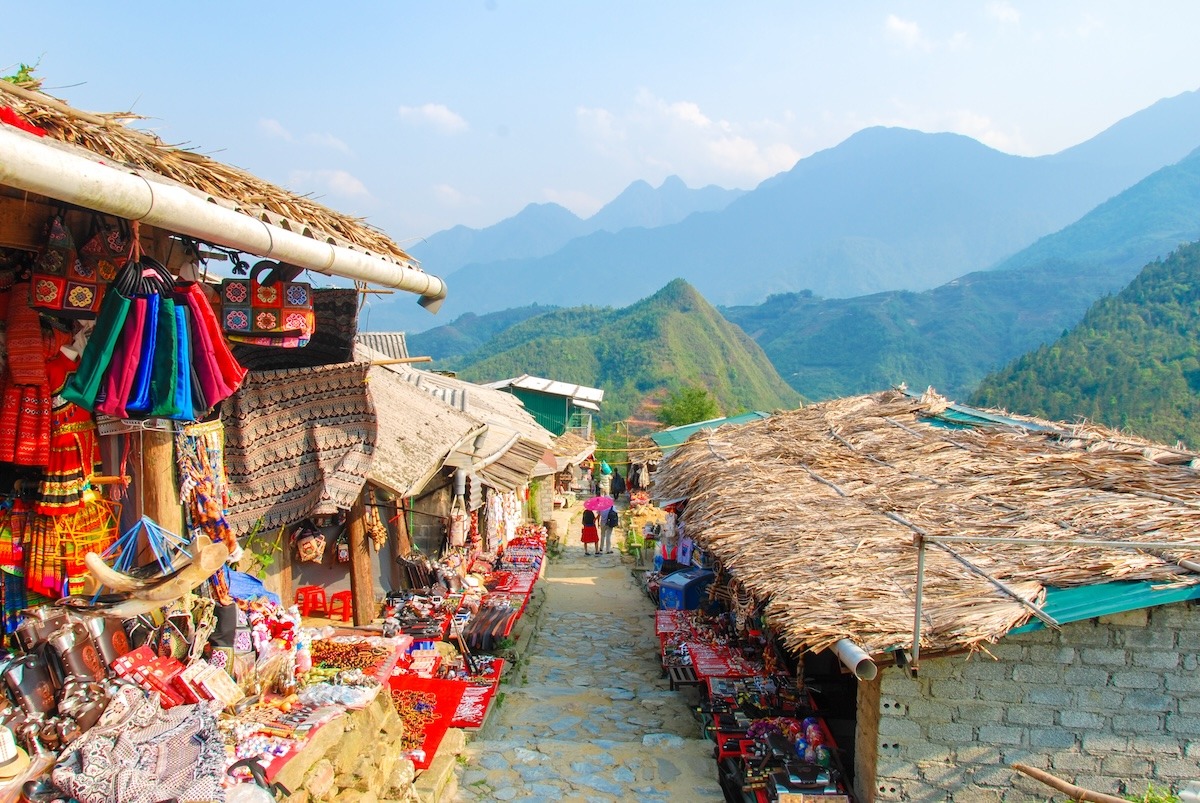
[343,600]
[310,599]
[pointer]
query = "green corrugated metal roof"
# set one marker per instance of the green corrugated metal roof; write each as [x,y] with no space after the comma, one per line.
[669,439]
[1087,602]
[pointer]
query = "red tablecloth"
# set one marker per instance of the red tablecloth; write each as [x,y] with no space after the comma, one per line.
[512,582]
[448,694]
[712,661]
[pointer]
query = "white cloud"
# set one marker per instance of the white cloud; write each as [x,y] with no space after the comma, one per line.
[906,32]
[688,112]
[1003,13]
[436,115]
[274,128]
[656,136]
[327,141]
[337,182]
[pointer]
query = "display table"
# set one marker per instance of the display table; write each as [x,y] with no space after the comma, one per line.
[477,698]
[719,661]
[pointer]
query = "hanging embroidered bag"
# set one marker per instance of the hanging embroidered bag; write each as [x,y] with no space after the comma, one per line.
[310,543]
[57,259]
[106,251]
[268,311]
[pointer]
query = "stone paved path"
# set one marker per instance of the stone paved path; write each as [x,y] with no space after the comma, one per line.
[588,717]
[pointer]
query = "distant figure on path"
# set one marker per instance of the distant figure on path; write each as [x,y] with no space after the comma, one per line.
[618,484]
[611,520]
[590,535]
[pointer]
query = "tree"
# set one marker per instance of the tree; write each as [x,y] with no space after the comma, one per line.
[687,405]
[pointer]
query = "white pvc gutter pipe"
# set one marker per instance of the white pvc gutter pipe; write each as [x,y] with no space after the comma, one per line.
[30,164]
[855,658]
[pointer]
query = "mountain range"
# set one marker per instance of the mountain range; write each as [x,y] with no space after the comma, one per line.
[886,209]
[953,335]
[541,229]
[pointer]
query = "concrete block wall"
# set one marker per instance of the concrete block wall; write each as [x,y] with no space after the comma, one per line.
[1111,704]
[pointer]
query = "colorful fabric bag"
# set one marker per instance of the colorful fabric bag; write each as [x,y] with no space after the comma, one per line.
[309,543]
[267,311]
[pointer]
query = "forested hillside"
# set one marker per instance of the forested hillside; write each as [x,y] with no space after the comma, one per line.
[1133,361]
[638,354]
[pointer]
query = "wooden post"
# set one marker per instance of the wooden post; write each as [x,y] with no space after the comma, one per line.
[156,477]
[362,587]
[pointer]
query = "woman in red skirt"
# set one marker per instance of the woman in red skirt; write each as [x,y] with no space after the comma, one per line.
[590,535]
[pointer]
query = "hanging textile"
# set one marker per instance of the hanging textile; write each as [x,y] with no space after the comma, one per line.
[73,447]
[203,488]
[298,443]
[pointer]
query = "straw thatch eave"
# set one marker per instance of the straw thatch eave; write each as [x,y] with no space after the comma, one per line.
[816,510]
[108,136]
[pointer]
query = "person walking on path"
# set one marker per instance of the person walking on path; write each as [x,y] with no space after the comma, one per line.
[618,484]
[589,535]
[611,520]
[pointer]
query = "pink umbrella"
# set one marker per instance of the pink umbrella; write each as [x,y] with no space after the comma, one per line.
[598,503]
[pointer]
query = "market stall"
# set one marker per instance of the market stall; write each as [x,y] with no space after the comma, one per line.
[157,417]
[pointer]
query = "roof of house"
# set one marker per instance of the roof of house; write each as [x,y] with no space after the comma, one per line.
[571,449]
[393,345]
[108,136]
[669,439]
[417,432]
[428,421]
[581,395]
[816,511]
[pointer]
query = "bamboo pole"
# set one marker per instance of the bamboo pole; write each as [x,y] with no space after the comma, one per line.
[1076,792]
[401,360]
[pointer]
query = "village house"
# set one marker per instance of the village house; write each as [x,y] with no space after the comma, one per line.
[966,590]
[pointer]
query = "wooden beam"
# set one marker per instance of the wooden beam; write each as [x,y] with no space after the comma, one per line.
[401,360]
[23,223]
[362,587]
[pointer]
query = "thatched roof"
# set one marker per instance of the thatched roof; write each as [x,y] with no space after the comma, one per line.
[571,449]
[417,432]
[816,509]
[644,450]
[109,136]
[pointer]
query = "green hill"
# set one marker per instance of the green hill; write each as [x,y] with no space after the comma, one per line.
[637,354]
[1133,361]
[953,335]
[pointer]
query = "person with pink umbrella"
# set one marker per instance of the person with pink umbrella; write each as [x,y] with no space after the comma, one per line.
[597,504]
[589,535]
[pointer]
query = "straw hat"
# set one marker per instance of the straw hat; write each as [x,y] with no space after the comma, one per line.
[13,760]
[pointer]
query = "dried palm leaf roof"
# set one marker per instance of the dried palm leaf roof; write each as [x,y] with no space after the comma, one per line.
[109,136]
[570,444]
[644,450]
[816,510]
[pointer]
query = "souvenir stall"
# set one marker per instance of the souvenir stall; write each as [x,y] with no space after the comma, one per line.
[130,641]
[770,740]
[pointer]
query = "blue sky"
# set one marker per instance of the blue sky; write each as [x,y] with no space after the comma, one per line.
[420,116]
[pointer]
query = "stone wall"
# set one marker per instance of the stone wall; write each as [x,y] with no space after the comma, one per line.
[1110,704]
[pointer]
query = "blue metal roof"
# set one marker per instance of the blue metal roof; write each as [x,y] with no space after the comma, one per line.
[1087,602]
[669,439]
